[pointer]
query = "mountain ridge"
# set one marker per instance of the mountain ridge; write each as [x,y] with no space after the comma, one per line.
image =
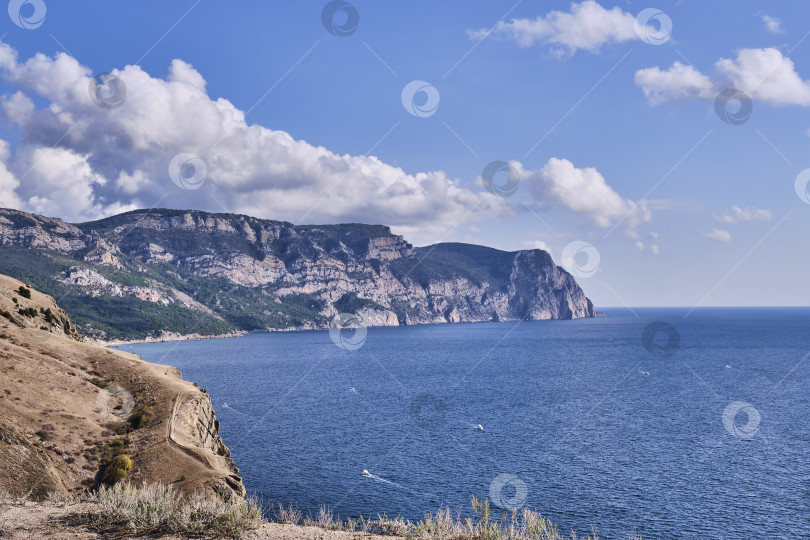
[147,273]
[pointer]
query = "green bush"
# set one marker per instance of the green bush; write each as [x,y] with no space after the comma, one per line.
[116,470]
[27,312]
[142,416]
[24,292]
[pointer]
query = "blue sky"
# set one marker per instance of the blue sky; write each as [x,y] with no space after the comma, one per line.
[614,146]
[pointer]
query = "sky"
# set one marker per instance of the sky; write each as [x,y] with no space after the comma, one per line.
[656,151]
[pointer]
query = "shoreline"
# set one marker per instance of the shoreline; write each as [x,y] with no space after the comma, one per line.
[169,337]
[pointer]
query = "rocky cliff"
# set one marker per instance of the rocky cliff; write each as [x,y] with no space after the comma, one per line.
[153,272]
[68,409]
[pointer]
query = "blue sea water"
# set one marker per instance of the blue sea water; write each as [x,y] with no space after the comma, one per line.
[702,433]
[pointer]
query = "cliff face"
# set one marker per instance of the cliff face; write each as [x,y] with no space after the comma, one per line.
[195,272]
[67,408]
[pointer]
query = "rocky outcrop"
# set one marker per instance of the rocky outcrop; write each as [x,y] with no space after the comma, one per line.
[66,407]
[225,272]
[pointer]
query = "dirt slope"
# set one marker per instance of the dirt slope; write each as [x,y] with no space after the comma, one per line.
[66,407]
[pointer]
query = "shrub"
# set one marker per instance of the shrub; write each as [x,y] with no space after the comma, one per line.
[116,470]
[156,509]
[142,416]
[46,433]
[24,292]
[522,524]
[325,519]
[290,515]
[62,498]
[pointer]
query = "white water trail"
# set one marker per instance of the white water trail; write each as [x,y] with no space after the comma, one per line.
[381,479]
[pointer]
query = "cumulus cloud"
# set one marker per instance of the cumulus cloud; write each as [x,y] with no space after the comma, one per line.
[737,214]
[764,74]
[8,183]
[80,161]
[772,24]
[583,191]
[587,26]
[679,83]
[767,75]
[719,235]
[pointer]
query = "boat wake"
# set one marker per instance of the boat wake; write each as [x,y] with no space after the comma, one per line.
[381,479]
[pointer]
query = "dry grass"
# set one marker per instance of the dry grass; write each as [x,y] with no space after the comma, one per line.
[62,498]
[154,509]
[444,525]
[291,515]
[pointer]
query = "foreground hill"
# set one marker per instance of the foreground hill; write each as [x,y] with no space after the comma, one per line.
[68,410]
[156,272]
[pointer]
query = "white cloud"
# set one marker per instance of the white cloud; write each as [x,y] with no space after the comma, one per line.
[583,191]
[737,214]
[767,75]
[588,26]
[653,248]
[8,183]
[679,83]
[719,235]
[763,74]
[772,24]
[80,161]
[535,244]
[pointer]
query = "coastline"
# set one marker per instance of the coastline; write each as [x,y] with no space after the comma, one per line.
[170,336]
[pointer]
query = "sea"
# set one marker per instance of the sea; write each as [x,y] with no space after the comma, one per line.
[667,423]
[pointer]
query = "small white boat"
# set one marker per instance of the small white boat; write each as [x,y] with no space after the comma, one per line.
[366,473]
[351,389]
[479,427]
[728,366]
